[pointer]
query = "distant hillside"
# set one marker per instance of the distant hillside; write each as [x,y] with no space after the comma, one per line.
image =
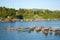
[29,13]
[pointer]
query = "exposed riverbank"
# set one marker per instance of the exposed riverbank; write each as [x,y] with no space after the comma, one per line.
[21,20]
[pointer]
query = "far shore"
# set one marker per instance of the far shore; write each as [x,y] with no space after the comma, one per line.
[12,20]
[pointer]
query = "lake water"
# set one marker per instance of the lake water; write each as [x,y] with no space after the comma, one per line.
[19,35]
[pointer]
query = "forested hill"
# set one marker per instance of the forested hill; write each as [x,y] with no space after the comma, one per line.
[29,13]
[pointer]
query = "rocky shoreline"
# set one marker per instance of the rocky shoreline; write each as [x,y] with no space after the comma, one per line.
[21,20]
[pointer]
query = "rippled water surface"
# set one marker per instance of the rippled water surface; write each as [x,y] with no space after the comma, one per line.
[19,35]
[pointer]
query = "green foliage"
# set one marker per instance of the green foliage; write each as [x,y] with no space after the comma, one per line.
[29,13]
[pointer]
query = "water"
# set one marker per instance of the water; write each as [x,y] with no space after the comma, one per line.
[19,35]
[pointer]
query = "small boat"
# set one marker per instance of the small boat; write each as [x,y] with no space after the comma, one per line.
[11,28]
[31,29]
[20,29]
[46,30]
[57,31]
[37,29]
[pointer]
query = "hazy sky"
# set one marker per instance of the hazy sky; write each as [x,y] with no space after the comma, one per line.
[40,4]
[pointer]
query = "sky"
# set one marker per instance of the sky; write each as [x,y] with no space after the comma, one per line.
[30,4]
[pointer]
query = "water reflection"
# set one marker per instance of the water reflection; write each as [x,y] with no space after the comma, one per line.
[37,29]
[31,34]
[17,35]
[46,33]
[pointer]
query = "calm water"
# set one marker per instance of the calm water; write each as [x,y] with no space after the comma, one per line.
[19,35]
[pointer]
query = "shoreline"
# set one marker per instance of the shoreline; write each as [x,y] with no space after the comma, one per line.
[21,20]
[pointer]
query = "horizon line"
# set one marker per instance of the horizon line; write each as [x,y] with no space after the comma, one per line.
[32,8]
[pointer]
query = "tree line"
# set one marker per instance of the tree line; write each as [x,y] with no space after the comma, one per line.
[29,13]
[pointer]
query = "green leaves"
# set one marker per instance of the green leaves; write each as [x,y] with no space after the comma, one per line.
[29,13]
